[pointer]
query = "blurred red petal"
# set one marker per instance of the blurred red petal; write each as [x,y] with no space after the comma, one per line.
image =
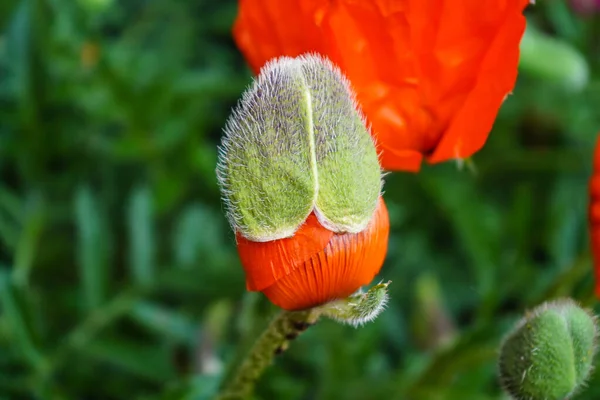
[594,215]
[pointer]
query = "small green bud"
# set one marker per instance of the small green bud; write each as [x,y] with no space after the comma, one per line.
[296,144]
[359,308]
[553,60]
[549,354]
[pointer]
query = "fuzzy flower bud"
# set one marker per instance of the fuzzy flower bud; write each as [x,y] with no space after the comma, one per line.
[549,354]
[568,67]
[301,183]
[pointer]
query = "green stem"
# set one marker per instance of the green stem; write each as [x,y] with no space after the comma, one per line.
[285,327]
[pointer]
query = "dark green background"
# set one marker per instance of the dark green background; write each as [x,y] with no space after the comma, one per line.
[119,277]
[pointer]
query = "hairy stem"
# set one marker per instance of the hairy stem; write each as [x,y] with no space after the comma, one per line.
[285,327]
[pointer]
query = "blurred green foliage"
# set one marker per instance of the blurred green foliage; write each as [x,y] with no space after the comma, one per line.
[118,273]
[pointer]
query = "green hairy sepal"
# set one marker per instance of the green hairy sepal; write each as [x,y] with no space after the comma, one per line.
[358,309]
[297,143]
[549,354]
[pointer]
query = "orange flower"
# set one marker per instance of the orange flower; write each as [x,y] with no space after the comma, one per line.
[594,215]
[429,74]
[316,265]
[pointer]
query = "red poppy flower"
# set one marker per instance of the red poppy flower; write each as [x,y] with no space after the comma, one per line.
[316,265]
[429,75]
[594,215]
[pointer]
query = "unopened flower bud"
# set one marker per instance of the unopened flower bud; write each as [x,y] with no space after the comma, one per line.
[301,183]
[553,60]
[549,354]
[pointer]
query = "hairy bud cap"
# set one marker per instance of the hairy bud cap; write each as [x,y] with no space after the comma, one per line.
[549,354]
[297,144]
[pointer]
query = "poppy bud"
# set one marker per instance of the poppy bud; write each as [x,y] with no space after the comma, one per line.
[301,183]
[568,68]
[549,354]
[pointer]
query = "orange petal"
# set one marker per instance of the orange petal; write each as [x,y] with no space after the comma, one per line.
[346,263]
[594,215]
[429,75]
[470,126]
[400,160]
[272,28]
[266,262]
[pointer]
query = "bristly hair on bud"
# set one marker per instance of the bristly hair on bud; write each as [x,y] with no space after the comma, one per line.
[549,353]
[297,143]
[359,308]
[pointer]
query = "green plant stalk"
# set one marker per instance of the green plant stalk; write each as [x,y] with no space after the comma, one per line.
[285,327]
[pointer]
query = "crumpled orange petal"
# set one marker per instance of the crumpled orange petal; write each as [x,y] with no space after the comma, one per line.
[594,215]
[430,75]
[315,265]
[266,262]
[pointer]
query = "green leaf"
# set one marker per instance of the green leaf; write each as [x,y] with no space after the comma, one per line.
[141,237]
[11,215]
[456,196]
[92,248]
[26,40]
[29,239]
[14,310]
[197,233]
[11,204]
[148,362]
[166,322]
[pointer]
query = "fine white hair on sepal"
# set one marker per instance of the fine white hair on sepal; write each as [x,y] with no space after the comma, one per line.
[250,134]
[326,80]
[297,142]
[358,309]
